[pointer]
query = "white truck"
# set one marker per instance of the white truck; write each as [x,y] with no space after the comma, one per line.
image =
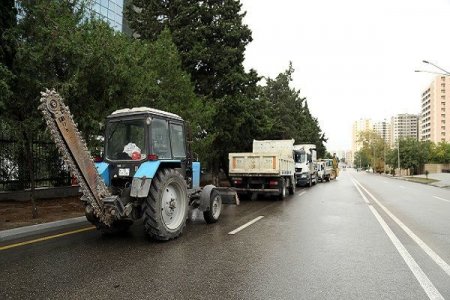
[305,156]
[324,169]
[269,169]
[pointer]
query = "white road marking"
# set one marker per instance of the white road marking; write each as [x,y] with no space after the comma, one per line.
[359,190]
[246,225]
[301,194]
[433,255]
[385,181]
[402,186]
[421,277]
[441,198]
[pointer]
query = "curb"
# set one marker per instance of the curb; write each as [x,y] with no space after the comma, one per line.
[21,232]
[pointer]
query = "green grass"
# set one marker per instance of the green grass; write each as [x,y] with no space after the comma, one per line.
[421,179]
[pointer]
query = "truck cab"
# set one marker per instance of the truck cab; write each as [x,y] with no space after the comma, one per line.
[305,158]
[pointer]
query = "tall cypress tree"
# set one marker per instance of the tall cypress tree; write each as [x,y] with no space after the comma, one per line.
[209,35]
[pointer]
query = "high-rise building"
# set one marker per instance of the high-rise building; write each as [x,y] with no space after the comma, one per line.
[358,127]
[383,128]
[404,126]
[111,11]
[435,111]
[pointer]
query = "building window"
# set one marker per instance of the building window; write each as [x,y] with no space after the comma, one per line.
[443,91]
[443,127]
[443,78]
[442,97]
[442,115]
[443,133]
[443,109]
[442,84]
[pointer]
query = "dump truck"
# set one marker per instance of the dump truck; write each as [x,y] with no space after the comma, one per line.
[269,169]
[147,170]
[305,156]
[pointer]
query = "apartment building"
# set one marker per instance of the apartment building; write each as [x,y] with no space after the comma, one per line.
[358,127]
[383,128]
[435,113]
[403,126]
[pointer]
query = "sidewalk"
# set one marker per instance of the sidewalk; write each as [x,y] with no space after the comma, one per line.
[442,180]
[26,231]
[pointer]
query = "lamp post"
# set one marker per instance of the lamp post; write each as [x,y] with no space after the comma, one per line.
[398,158]
[443,71]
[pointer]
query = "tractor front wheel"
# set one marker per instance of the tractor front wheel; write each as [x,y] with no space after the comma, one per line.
[215,208]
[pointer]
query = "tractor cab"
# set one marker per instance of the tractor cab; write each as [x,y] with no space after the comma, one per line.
[138,142]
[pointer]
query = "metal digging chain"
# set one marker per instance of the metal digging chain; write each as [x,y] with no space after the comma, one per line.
[52,106]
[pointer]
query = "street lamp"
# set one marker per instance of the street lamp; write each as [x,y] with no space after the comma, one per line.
[446,73]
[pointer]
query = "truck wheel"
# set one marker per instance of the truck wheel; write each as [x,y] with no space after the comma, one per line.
[165,209]
[292,188]
[215,208]
[282,194]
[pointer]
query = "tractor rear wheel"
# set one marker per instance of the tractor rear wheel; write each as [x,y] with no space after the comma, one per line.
[165,209]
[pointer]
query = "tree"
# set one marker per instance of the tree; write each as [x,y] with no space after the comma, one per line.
[440,153]
[209,35]
[413,154]
[288,113]
[96,70]
[374,149]
[361,159]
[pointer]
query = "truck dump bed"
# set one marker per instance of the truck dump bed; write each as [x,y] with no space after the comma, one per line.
[260,164]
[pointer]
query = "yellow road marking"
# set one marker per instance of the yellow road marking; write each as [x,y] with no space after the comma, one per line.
[45,238]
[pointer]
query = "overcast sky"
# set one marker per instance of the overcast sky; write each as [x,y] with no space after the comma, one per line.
[353,59]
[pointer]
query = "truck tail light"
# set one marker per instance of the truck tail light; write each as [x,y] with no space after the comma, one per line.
[237,181]
[273,182]
[152,157]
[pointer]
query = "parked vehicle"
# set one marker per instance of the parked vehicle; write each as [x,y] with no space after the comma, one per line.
[147,170]
[326,169]
[269,169]
[305,156]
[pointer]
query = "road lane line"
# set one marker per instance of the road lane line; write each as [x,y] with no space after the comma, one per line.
[45,238]
[246,225]
[301,194]
[402,186]
[441,198]
[359,190]
[433,255]
[421,277]
[385,181]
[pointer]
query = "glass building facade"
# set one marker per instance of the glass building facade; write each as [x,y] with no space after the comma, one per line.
[111,11]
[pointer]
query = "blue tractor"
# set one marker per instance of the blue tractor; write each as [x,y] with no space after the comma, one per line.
[146,170]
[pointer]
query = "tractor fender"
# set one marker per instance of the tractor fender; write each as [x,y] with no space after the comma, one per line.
[142,179]
[205,197]
[103,171]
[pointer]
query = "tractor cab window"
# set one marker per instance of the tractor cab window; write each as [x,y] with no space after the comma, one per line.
[160,139]
[125,140]
[177,141]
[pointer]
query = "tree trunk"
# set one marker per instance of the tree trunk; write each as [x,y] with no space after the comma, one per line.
[30,163]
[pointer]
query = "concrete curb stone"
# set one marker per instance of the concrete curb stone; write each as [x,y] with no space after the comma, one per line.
[21,232]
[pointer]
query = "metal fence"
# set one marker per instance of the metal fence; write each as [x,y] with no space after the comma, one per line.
[49,168]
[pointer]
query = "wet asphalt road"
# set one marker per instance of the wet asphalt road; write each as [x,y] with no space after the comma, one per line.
[325,242]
